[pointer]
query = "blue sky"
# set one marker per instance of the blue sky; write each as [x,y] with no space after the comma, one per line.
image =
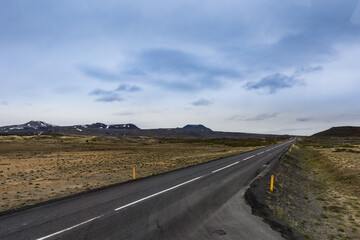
[270,66]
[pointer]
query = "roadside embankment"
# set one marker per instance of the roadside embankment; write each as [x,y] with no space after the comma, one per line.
[316,192]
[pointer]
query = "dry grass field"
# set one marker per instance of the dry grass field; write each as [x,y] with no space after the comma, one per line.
[336,164]
[39,168]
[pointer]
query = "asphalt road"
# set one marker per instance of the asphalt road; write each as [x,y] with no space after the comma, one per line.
[173,205]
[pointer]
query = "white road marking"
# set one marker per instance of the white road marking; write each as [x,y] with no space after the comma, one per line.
[67,229]
[158,193]
[260,153]
[225,167]
[248,158]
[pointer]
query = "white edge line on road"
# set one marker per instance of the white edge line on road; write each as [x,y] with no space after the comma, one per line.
[260,153]
[225,167]
[67,229]
[248,158]
[158,193]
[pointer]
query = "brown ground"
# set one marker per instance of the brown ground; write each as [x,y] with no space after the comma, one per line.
[38,168]
[317,189]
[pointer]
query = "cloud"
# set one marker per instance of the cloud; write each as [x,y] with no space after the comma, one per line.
[355,18]
[261,117]
[106,96]
[202,102]
[172,69]
[179,62]
[113,95]
[236,118]
[295,131]
[67,89]
[240,40]
[128,88]
[175,69]
[124,114]
[273,83]
[99,73]
[179,85]
[135,72]
[309,36]
[306,70]
[3,102]
[303,119]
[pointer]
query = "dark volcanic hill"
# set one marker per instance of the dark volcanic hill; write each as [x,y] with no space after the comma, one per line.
[97,125]
[339,132]
[199,127]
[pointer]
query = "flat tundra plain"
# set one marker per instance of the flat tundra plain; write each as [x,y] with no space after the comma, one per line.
[34,169]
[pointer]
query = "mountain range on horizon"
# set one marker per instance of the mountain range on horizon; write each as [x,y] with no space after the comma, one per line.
[131,130]
[189,131]
[36,125]
[40,127]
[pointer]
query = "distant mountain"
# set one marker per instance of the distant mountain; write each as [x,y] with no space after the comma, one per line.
[29,126]
[39,127]
[97,125]
[123,126]
[346,131]
[199,127]
[104,126]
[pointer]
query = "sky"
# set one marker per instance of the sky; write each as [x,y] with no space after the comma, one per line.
[263,66]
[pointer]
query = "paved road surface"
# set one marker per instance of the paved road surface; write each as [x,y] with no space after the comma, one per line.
[193,203]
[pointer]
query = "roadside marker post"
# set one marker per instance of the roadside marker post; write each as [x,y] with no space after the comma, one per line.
[272,183]
[133,173]
[290,150]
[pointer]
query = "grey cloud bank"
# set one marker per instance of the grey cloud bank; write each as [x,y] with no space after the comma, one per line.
[273,83]
[106,96]
[128,88]
[202,102]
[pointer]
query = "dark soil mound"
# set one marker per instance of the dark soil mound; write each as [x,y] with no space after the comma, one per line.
[339,132]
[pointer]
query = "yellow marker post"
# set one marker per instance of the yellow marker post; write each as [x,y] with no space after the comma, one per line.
[134,173]
[250,148]
[290,150]
[272,183]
